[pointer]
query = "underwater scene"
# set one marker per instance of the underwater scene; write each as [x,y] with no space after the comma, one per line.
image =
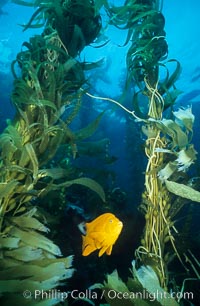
[99,152]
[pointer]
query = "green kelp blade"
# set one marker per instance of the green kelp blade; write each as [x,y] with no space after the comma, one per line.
[170,79]
[84,181]
[6,189]
[99,3]
[91,184]
[15,135]
[43,263]
[183,191]
[148,278]
[55,173]
[29,222]
[116,285]
[31,152]
[44,102]
[47,261]
[24,3]
[37,17]
[17,279]
[170,97]
[115,282]
[35,240]
[25,254]
[9,242]
[40,103]
[171,128]
[19,285]
[185,117]
[93,65]
[36,273]
[89,129]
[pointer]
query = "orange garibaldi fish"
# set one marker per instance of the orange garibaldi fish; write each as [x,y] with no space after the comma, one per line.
[101,234]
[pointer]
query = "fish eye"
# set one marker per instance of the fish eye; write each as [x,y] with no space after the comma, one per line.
[111,220]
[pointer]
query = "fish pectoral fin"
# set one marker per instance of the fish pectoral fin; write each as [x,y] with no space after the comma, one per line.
[98,237]
[98,244]
[88,246]
[99,240]
[109,250]
[88,250]
[103,250]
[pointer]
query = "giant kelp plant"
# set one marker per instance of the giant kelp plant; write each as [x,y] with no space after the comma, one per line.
[47,80]
[168,145]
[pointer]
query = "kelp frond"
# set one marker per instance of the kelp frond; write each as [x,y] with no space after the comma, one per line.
[29,260]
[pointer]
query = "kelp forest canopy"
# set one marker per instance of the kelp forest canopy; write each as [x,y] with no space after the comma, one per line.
[48,79]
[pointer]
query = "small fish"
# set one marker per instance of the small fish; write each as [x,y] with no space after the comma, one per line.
[101,234]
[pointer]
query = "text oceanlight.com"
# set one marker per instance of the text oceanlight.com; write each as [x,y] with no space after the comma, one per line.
[110,294]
